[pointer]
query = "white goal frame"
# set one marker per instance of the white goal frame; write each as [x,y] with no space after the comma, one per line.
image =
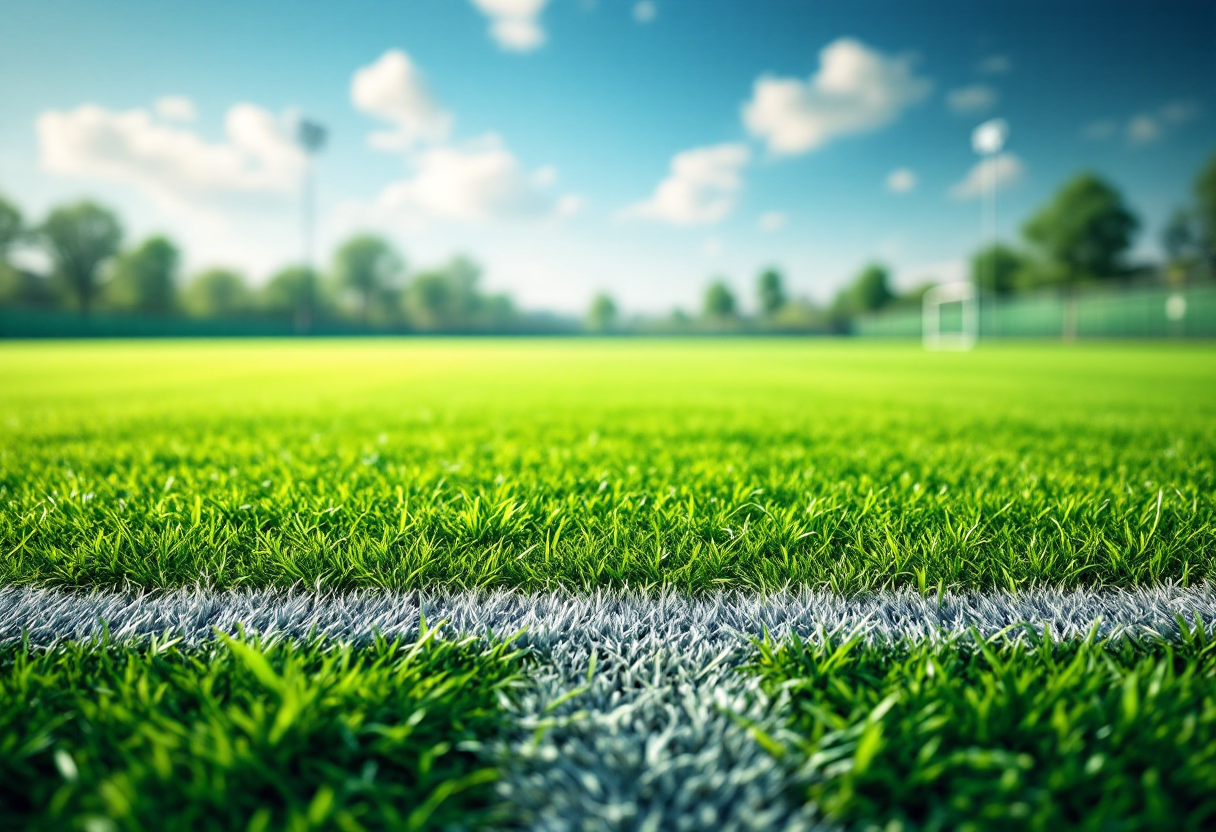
[931,331]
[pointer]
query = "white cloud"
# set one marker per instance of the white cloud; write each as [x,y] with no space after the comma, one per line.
[972,99]
[470,182]
[857,89]
[1143,129]
[478,182]
[995,65]
[176,108]
[713,248]
[172,164]
[645,11]
[1180,112]
[393,89]
[1146,128]
[1005,169]
[901,181]
[771,221]
[514,24]
[701,188]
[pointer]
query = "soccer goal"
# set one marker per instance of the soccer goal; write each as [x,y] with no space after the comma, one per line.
[951,317]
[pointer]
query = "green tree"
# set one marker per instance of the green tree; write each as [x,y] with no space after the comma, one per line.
[447,298]
[1182,241]
[217,293]
[292,292]
[12,228]
[80,238]
[1083,232]
[800,315]
[869,291]
[370,267]
[145,278]
[997,269]
[601,316]
[719,301]
[770,291]
[1205,210]
[1180,237]
[915,297]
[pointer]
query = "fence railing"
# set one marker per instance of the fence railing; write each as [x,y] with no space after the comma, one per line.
[63,323]
[1099,312]
[1105,312]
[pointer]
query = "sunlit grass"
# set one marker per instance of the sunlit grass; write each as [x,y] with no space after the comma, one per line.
[1007,733]
[250,736]
[524,463]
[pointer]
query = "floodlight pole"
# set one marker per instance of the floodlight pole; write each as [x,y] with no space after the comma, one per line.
[311,137]
[988,140]
[988,231]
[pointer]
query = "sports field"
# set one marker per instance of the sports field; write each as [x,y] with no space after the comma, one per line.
[598,584]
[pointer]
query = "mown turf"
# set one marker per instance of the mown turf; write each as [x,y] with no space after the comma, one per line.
[237,735]
[697,465]
[1004,733]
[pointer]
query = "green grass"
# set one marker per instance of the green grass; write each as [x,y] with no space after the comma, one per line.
[533,463]
[239,735]
[1004,734]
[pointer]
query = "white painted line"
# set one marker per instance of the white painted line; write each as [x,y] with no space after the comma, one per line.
[650,742]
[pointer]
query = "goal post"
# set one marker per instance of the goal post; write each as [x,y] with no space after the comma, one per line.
[967,332]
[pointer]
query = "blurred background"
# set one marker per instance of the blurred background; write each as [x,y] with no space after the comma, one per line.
[648,166]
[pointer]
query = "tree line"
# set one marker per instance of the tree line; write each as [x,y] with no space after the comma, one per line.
[367,281]
[1082,236]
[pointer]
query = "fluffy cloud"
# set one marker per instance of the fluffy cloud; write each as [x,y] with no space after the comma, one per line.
[514,24]
[1144,128]
[901,181]
[176,108]
[645,11]
[1147,128]
[995,65]
[857,89]
[1179,112]
[972,99]
[1004,169]
[700,189]
[771,221]
[393,89]
[169,163]
[478,182]
[475,181]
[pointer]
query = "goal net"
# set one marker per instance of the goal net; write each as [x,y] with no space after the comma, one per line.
[951,317]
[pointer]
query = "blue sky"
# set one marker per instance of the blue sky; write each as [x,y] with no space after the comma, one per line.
[572,146]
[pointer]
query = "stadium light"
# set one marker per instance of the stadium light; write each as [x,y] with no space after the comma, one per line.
[989,137]
[310,135]
[988,140]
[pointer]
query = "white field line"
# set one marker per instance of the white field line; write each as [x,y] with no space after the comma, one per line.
[721,620]
[651,740]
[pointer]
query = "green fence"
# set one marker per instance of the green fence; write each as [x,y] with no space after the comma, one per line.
[59,323]
[1140,312]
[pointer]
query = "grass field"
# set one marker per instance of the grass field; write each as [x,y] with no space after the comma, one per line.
[842,512]
[1005,733]
[530,464]
[249,736]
